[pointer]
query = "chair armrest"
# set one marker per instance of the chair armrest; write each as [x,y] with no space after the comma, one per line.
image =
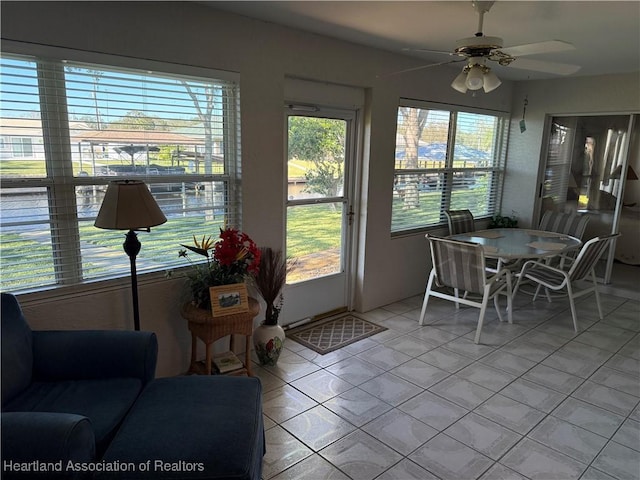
[541,264]
[87,354]
[45,437]
[504,272]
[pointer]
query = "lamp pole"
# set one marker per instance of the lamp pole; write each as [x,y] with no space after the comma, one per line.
[132,247]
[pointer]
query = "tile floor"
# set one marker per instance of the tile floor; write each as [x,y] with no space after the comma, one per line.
[535,400]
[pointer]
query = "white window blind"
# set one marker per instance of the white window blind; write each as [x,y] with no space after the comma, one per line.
[67,129]
[445,160]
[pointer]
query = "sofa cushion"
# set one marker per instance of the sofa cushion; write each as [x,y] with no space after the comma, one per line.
[195,427]
[87,354]
[104,402]
[17,349]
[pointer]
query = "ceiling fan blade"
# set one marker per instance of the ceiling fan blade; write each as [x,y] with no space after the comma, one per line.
[546,67]
[426,50]
[550,46]
[420,68]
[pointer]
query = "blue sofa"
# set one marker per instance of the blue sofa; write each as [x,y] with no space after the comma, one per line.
[85,404]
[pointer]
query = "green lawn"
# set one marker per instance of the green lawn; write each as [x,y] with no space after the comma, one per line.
[18,248]
[311,229]
[297,168]
[428,211]
[23,168]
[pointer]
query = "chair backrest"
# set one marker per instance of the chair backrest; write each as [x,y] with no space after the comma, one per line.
[17,348]
[458,264]
[589,255]
[460,221]
[567,223]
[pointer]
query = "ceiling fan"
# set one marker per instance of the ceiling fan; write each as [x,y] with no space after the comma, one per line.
[476,51]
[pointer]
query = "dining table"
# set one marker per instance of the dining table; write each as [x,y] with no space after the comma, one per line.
[508,245]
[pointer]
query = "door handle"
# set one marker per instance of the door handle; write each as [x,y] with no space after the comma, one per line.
[350,215]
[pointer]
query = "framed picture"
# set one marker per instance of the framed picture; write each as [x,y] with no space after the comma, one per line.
[229,299]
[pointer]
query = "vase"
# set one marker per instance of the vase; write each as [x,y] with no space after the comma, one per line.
[268,341]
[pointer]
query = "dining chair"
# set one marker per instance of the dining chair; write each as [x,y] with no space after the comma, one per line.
[460,221]
[461,266]
[554,278]
[567,223]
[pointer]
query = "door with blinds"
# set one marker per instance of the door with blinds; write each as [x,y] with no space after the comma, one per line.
[319,211]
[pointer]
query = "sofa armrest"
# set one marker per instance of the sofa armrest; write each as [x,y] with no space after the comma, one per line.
[30,439]
[87,354]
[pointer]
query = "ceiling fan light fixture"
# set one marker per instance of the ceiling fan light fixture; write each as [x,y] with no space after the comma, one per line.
[491,81]
[459,83]
[475,78]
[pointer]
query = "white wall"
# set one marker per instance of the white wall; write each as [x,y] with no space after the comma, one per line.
[265,55]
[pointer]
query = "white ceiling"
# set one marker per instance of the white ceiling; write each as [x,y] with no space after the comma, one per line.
[606,34]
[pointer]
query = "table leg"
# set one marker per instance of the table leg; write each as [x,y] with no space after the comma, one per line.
[194,346]
[208,359]
[247,355]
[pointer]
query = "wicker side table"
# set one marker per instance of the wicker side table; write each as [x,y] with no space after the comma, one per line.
[208,329]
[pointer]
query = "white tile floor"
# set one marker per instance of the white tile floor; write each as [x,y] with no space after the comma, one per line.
[535,400]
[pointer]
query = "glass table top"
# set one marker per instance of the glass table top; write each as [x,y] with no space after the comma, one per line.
[512,243]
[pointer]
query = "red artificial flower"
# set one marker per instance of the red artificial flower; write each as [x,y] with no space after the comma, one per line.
[237,251]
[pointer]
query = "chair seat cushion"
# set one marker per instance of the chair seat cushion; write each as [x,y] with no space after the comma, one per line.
[200,427]
[549,277]
[104,402]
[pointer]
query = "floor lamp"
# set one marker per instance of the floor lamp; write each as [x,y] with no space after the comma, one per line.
[128,205]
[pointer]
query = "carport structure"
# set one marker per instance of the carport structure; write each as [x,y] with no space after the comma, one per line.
[135,144]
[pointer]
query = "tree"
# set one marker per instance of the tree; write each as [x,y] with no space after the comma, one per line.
[481,137]
[137,120]
[204,110]
[413,121]
[97,76]
[321,141]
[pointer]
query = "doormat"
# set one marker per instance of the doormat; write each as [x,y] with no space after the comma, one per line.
[328,335]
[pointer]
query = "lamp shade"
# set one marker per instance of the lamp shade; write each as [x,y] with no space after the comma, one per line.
[491,81]
[128,205]
[459,83]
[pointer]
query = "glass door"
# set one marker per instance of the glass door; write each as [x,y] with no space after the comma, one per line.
[320,216]
[587,166]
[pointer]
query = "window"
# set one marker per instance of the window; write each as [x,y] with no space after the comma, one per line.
[76,127]
[445,160]
[21,147]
